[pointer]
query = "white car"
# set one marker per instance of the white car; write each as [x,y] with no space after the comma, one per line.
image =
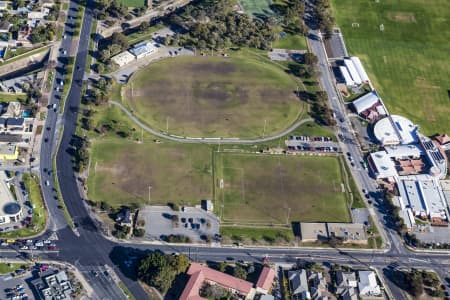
[24,248]
[47,242]
[39,244]
[47,183]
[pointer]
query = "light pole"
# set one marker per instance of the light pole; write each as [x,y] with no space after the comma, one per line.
[149,194]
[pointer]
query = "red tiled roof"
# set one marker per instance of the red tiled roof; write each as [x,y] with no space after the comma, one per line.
[201,273]
[266,278]
[192,287]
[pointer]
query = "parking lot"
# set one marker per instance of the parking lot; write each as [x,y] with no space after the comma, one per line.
[286,55]
[194,223]
[315,143]
[11,287]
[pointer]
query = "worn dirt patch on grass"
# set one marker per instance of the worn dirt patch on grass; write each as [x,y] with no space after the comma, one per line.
[402,17]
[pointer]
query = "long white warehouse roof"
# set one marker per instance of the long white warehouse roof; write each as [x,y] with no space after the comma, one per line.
[359,68]
[348,79]
[351,68]
[366,101]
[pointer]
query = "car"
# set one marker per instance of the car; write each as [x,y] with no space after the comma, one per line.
[364,191]
[94,273]
[47,242]
[45,140]
[64,36]
[367,196]
[29,242]
[49,128]
[24,247]
[39,244]
[47,183]
[4,244]
[64,52]
[229,258]
[33,247]
[16,227]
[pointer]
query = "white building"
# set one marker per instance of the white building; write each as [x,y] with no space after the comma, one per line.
[367,284]
[352,70]
[346,75]
[143,49]
[382,165]
[10,210]
[123,58]
[365,102]
[394,130]
[360,69]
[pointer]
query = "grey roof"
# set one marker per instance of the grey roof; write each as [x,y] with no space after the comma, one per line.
[298,281]
[10,138]
[15,121]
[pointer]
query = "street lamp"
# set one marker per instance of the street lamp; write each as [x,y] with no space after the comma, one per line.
[149,194]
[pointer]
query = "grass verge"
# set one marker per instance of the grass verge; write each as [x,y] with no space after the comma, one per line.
[250,235]
[6,268]
[126,291]
[58,190]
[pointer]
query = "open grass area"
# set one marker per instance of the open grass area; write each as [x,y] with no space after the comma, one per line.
[10,267]
[121,172]
[133,3]
[38,222]
[247,235]
[10,97]
[238,96]
[408,61]
[257,8]
[291,41]
[22,53]
[265,189]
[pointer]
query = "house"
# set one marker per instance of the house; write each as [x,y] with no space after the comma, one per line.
[265,280]
[124,217]
[4,26]
[199,275]
[15,125]
[143,49]
[298,283]
[34,18]
[313,232]
[122,58]
[8,152]
[367,284]
[318,286]
[344,281]
[349,294]
[13,110]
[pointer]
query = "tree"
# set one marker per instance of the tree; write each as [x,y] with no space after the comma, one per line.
[144,26]
[139,232]
[222,266]
[240,272]
[310,59]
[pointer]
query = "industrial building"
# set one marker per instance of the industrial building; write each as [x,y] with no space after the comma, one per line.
[424,199]
[54,285]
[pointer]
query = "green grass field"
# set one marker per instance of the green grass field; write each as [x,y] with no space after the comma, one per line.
[121,172]
[266,189]
[133,3]
[408,61]
[238,96]
[292,42]
[257,7]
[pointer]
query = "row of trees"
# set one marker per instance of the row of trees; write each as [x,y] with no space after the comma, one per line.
[112,46]
[292,17]
[159,270]
[110,8]
[324,16]
[214,25]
